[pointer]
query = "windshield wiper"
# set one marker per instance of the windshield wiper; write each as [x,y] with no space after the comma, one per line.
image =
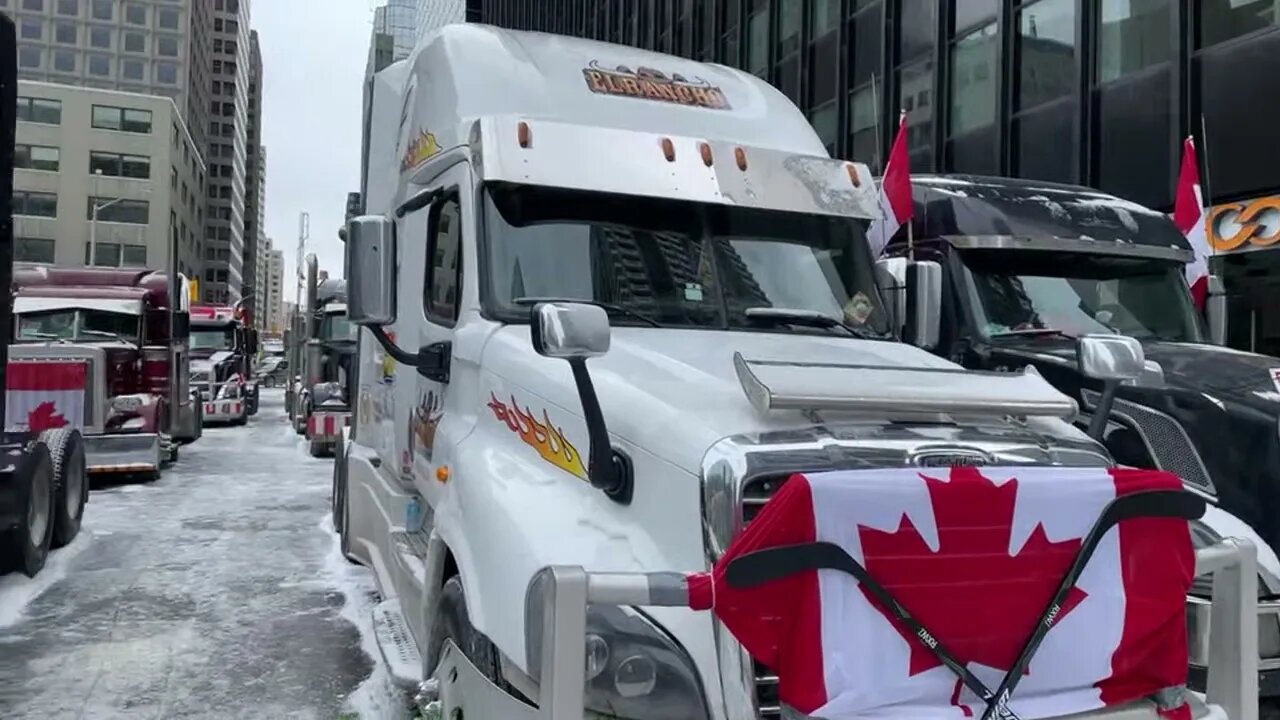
[1033,332]
[608,307]
[807,318]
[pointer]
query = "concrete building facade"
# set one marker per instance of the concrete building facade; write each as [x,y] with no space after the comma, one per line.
[253,289]
[275,291]
[227,157]
[129,156]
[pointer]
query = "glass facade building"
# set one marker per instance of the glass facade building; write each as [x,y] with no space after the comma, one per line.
[1094,92]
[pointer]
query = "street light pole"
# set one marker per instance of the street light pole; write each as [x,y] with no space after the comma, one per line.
[93,220]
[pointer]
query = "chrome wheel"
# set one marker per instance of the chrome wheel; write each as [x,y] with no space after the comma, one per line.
[38,510]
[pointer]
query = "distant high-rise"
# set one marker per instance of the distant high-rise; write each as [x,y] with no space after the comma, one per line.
[275,290]
[255,190]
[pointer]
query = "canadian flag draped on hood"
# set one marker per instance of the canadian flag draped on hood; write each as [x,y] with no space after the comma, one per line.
[895,193]
[1189,216]
[974,555]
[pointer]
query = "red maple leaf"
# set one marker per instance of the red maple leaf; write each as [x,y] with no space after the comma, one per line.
[44,417]
[972,595]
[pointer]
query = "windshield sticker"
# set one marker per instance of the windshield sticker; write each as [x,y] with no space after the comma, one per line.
[544,437]
[859,309]
[693,292]
[420,149]
[649,84]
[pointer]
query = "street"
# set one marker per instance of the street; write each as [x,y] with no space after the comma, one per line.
[214,592]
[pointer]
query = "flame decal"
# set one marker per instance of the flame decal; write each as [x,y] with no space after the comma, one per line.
[420,149]
[543,436]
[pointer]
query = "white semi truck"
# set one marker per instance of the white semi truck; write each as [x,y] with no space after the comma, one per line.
[534,199]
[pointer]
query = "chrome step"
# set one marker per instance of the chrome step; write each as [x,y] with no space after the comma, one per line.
[395,643]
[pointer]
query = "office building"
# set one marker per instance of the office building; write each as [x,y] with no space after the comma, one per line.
[1096,93]
[229,75]
[275,295]
[113,169]
[255,189]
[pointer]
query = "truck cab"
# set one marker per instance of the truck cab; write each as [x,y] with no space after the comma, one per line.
[222,350]
[125,318]
[1028,268]
[614,364]
[326,345]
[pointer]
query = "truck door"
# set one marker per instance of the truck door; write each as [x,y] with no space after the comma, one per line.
[435,425]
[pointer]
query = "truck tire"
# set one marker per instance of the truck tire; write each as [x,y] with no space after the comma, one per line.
[26,547]
[318,448]
[454,623]
[71,482]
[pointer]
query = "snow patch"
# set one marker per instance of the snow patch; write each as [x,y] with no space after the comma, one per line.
[17,591]
[377,698]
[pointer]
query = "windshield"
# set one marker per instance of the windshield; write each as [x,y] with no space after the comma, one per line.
[1015,293]
[337,327]
[77,326]
[213,338]
[675,263]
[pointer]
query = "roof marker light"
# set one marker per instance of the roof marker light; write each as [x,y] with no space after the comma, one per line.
[523,134]
[853,174]
[741,156]
[705,149]
[669,149]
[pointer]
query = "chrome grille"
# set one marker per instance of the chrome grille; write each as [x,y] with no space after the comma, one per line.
[768,705]
[1167,442]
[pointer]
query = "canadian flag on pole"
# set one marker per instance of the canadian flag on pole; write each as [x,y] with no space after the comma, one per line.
[976,559]
[44,395]
[895,193]
[1189,216]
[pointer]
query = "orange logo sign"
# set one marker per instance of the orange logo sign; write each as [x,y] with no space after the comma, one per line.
[1255,222]
[544,437]
[649,84]
[420,149]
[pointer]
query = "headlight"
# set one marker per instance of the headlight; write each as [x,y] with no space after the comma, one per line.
[634,669]
[127,403]
[1203,536]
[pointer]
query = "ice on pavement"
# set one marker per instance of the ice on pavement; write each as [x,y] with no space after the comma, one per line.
[215,592]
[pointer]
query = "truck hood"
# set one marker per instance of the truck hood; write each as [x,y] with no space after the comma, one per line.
[673,392]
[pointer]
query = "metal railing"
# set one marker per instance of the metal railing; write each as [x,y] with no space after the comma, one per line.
[566,591]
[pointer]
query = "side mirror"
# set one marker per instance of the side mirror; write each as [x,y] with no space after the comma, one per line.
[1113,359]
[924,304]
[1215,310]
[371,256]
[570,331]
[891,277]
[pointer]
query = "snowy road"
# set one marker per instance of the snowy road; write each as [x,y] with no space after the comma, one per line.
[215,592]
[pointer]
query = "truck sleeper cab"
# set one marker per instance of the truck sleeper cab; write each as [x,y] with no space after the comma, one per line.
[1028,267]
[714,233]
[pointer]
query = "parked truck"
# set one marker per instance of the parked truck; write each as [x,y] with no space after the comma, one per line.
[222,349]
[44,479]
[125,323]
[577,376]
[326,345]
[1027,267]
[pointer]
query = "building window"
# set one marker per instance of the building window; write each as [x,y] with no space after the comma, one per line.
[106,117]
[29,57]
[64,33]
[133,256]
[114,165]
[64,61]
[33,250]
[974,70]
[39,110]
[1132,37]
[1223,20]
[167,46]
[826,123]
[968,14]
[135,14]
[135,42]
[168,18]
[35,204]
[105,254]
[99,65]
[99,37]
[35,5]
[866,38]
[132,69]
[758,42]
[167,73]
[68,7]
[825,18]
[915,96]
[102,9]
[1046,51]
[35,157]
[120,211]
[31,29]
[918,28]
[863,143]
[790,22]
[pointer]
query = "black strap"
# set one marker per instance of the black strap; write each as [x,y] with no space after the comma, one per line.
[771,564]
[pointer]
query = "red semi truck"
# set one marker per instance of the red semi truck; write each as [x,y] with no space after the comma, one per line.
[222,347]
[123,326]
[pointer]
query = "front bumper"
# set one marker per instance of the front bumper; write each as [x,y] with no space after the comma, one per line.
[326,423]
[223,410]
[122,452]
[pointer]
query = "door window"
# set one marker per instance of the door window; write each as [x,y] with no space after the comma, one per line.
[443,283]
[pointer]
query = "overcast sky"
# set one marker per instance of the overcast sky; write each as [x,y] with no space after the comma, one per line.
[313,59]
